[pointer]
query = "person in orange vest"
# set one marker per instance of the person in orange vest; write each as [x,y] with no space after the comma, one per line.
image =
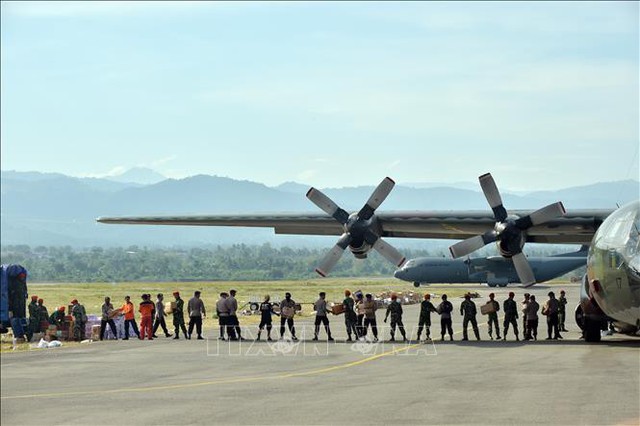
[147,310]
[129,318]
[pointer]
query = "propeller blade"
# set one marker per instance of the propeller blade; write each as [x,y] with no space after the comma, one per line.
[472,244]
[525,273]
[389,252]
[542,215]
[327,205]
[334,255]
[492,195]
[379,195]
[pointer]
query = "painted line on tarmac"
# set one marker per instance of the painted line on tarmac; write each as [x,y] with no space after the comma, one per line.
[230,380]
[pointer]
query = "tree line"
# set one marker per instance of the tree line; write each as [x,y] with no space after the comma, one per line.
[237,262]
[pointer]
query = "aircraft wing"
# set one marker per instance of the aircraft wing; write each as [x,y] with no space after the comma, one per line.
[576,227]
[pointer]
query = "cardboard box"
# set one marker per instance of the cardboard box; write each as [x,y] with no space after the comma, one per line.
[487,309]
[288,312]
[337,309]
[115,313]
[169,307]
[95,332]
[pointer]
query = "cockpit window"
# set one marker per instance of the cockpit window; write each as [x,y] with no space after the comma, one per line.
[620,231]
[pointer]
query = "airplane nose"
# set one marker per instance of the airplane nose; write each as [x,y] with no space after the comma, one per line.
[400,274]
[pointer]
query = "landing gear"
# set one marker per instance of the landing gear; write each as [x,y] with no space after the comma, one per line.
[492,284]
[416,285]
[503,285]
[591,330]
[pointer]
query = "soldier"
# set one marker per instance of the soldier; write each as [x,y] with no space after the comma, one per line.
[468,311]
[44,315]
[196,312]
[395,309]
[129,318]
[79,320]
[223,317]
[287,312]
[370,317]
[34,318]
[178,317]
[266,312]
[532,318]
[444,309]
[426,307]
[57,318]
[147,310]
[159,317]
[550,309]
[350,319]
[493,316]
[232,305]
[321,316]
[524,303]
[359,313]
[107,312]
[510,315]
[562,302]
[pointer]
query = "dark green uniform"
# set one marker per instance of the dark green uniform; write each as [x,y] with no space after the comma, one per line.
[469,311]
[43,319]
[426,307]
[395,310]
[510,317]
[178,319]
[493,319]
[350,317]
[57,319]
[34,319]
[79,321]
[562,301]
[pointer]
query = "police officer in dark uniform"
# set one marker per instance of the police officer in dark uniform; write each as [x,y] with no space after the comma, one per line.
[444,309]
[510,315]
[266,311]
[469,311]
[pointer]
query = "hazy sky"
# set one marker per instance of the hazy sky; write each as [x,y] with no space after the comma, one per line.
[543,95]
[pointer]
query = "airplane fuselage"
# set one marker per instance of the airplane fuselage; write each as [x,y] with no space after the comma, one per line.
[492,270]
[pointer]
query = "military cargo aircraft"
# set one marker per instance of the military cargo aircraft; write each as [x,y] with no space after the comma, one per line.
[612,290]
[493,270]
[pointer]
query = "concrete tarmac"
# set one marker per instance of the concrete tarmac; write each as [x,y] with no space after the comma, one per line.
[180,382]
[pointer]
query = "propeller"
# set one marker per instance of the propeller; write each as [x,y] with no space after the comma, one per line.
[509,232]
[362,231]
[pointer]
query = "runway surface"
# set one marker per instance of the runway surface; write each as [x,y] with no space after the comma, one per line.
[211,382]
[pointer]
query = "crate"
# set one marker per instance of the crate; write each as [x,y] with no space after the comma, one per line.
[337,309]
[169,307]
[487,309]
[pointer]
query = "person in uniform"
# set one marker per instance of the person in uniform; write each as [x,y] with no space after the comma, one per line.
[395,310]
[550,309]
[532,318]
[129,318]
[147,311]
[197,312]
[232,306]
[34,317]
[79,320]
[426,307]
[44,315]
[178,317]
[222,309]
[57,318]
[370,308]
[468,311]
[287,312]
[159,317]
[266,313]
[524,303]
[510,315]
[321,316]
[107,312]
[350,319]
[493,317]
[444,309]
[562,303]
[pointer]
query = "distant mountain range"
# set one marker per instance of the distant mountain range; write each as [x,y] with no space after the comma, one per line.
[54,209]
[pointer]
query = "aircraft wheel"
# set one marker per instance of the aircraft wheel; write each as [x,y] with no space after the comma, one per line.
[416,285]
[502,285]
[491,284]
[591,330]
[254,306]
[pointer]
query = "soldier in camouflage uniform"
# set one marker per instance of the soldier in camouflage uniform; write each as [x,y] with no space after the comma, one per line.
[79,320]
[395,309]
[43,314]
[178,317]
[510,315]
[34,317]
[350,317]
[493,317]
[426,307]
[562,301]
[469,311]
